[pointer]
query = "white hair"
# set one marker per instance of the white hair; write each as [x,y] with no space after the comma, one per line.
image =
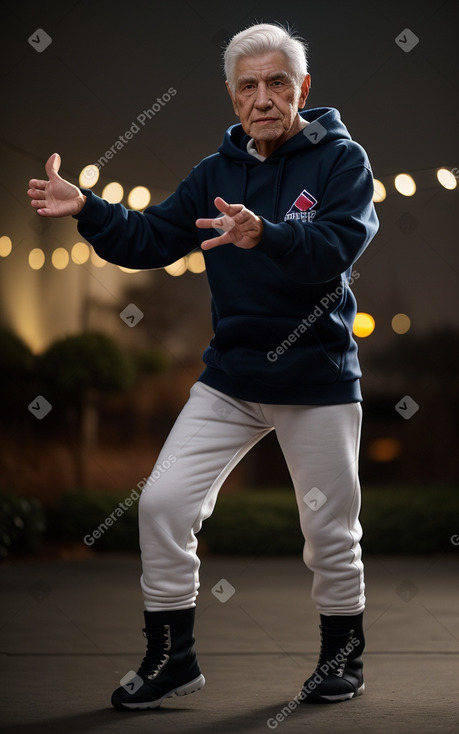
[263,38]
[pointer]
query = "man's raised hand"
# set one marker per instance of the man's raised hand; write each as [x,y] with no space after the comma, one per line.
[240,226]
[55,197]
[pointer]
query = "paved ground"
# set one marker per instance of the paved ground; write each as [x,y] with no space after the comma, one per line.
[71,629]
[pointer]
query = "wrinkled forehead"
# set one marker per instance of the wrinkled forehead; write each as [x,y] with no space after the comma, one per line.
[263,67]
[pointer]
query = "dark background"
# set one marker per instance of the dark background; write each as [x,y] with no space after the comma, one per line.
[109,61]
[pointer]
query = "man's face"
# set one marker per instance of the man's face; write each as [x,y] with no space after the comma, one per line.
[267,99]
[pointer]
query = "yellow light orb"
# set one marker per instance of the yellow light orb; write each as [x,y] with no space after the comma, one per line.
[196,262]
[401,323]
[177,268]
[97,261]
[60,258]
[36,258]
[113,192]
[127,270]
[89,176]
[405,185]
[447,179]
[139,197]
[5,246]
[80,253]
[364,324]
[379,193]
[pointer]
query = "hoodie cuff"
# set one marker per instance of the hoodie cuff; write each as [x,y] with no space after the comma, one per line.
[94,211]
[274,242]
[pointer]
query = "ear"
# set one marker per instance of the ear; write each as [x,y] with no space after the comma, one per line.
[305,87]
[233,100]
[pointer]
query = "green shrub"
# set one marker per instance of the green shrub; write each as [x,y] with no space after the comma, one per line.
[87,361]
[408,519]
[76,515]
[411,519]
[22,525]
[263,522]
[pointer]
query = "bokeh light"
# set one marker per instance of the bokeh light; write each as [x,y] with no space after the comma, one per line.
[89,176]
[177,268]
[5,246]
[127,270]
[379,193]
[36,258]
[364,324]
[80,253]
[405,185]
[447,179]
[196,262]
[384,449]
[401,323]
[60,258]
[113,192]
[97,261]
[139,197]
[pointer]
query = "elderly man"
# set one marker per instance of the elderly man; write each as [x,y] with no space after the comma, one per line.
[289,198]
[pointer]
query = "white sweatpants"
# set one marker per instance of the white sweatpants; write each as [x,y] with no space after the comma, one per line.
[211,435]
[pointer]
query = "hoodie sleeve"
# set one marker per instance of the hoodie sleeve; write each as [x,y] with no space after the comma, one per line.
[318,251]
[151,239]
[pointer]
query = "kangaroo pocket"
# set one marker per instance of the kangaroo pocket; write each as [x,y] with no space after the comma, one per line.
[271,351]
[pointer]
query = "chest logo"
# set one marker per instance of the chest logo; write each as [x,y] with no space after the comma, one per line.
[302,208]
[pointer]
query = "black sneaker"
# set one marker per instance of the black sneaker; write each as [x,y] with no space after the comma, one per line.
[170,666]
[339,672]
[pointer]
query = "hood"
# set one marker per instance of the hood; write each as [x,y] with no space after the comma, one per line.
[328,126]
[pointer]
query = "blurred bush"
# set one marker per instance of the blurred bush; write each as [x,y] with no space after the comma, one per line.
[395,519]
[22,525]
[263,522]
[16,369]
[406,520]
[77,515]
[88,361]
[410,519]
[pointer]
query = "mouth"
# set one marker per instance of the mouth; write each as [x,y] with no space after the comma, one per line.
[265,120]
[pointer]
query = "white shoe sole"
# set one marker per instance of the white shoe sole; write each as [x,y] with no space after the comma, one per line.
[191,687]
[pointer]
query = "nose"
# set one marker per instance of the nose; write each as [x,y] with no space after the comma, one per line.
[263,99]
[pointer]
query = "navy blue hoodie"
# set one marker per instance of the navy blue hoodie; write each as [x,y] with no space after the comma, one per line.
[283,311]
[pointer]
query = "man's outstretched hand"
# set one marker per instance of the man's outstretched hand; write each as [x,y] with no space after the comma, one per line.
[238,225]
[56,197]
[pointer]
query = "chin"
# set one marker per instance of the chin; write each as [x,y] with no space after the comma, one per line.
[267,135]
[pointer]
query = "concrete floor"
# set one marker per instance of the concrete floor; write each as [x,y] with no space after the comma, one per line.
[70,629]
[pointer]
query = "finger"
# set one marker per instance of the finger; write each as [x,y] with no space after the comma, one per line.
[223,224]
[230,209]
[36,193]
[221,204]
[53,164]
[215,242]
[36,183]
[204,223]
[38,203]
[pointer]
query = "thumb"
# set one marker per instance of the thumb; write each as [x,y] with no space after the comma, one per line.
[52,165]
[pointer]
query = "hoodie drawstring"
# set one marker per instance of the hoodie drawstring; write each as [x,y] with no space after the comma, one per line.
[277,186]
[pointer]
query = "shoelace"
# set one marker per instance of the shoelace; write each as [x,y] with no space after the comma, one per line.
[156,655]
[331,645]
